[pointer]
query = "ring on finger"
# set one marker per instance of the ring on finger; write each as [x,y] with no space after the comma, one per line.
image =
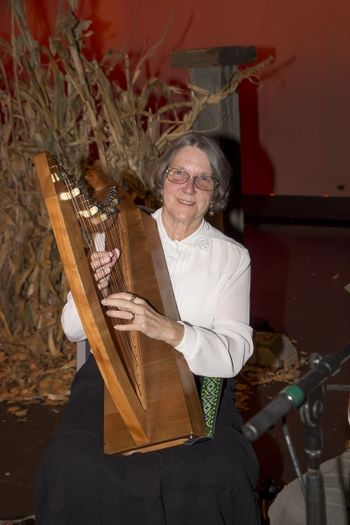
[132,298]
[132,317]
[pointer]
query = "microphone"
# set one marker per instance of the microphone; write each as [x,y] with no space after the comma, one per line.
[293,396]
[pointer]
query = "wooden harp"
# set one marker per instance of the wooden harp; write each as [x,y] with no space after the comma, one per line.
[151,399]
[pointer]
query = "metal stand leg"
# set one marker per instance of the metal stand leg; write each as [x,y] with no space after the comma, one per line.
[311,413]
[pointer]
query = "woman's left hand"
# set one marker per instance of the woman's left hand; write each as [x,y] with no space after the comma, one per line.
[142,318]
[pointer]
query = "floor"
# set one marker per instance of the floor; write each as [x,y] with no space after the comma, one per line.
[299,279]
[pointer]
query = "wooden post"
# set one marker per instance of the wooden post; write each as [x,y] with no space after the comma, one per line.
[211,69]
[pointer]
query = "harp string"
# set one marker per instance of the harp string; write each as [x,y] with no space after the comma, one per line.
[92,217]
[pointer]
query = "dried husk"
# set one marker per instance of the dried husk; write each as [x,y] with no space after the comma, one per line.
[54,98]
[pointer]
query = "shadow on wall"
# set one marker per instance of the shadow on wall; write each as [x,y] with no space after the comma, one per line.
[258,175]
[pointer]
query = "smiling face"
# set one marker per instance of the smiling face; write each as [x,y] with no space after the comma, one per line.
[184,205]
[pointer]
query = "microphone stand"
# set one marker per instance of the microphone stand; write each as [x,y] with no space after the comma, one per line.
[308,396]
[310,413]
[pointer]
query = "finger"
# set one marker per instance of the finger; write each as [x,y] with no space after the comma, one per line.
[126,327]
[123,306]
[120,297]
[103,283]
[99,259]
[128,296]
[123,315]
[115,256]
[97,256]
[102,272]
[129,323]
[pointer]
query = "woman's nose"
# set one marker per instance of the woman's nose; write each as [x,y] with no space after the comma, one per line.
[189,186]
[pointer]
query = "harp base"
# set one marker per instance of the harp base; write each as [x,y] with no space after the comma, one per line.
[171,432]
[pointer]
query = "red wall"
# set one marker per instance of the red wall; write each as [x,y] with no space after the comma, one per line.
[295,128]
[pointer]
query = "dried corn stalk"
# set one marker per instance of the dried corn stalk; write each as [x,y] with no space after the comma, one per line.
[54,98]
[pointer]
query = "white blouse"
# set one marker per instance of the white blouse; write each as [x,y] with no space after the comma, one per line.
[210,275]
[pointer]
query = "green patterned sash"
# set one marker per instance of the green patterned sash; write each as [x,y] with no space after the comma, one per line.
[210,398]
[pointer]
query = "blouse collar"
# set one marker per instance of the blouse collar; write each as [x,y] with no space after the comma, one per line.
[197,238]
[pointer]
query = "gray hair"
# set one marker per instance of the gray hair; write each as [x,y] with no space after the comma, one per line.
[220,167]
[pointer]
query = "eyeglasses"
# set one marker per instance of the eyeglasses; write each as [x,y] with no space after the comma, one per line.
[181,176]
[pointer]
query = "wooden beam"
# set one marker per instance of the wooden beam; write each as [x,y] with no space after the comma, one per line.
[213,56]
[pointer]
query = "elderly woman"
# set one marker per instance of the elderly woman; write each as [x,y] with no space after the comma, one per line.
[212,481]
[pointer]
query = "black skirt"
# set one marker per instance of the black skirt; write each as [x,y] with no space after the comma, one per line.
[208,483]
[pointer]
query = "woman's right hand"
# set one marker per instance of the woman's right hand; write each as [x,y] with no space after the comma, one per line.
[102,264]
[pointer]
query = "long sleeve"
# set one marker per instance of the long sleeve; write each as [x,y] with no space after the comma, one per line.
[223,348]
[71,322]
[210,275]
